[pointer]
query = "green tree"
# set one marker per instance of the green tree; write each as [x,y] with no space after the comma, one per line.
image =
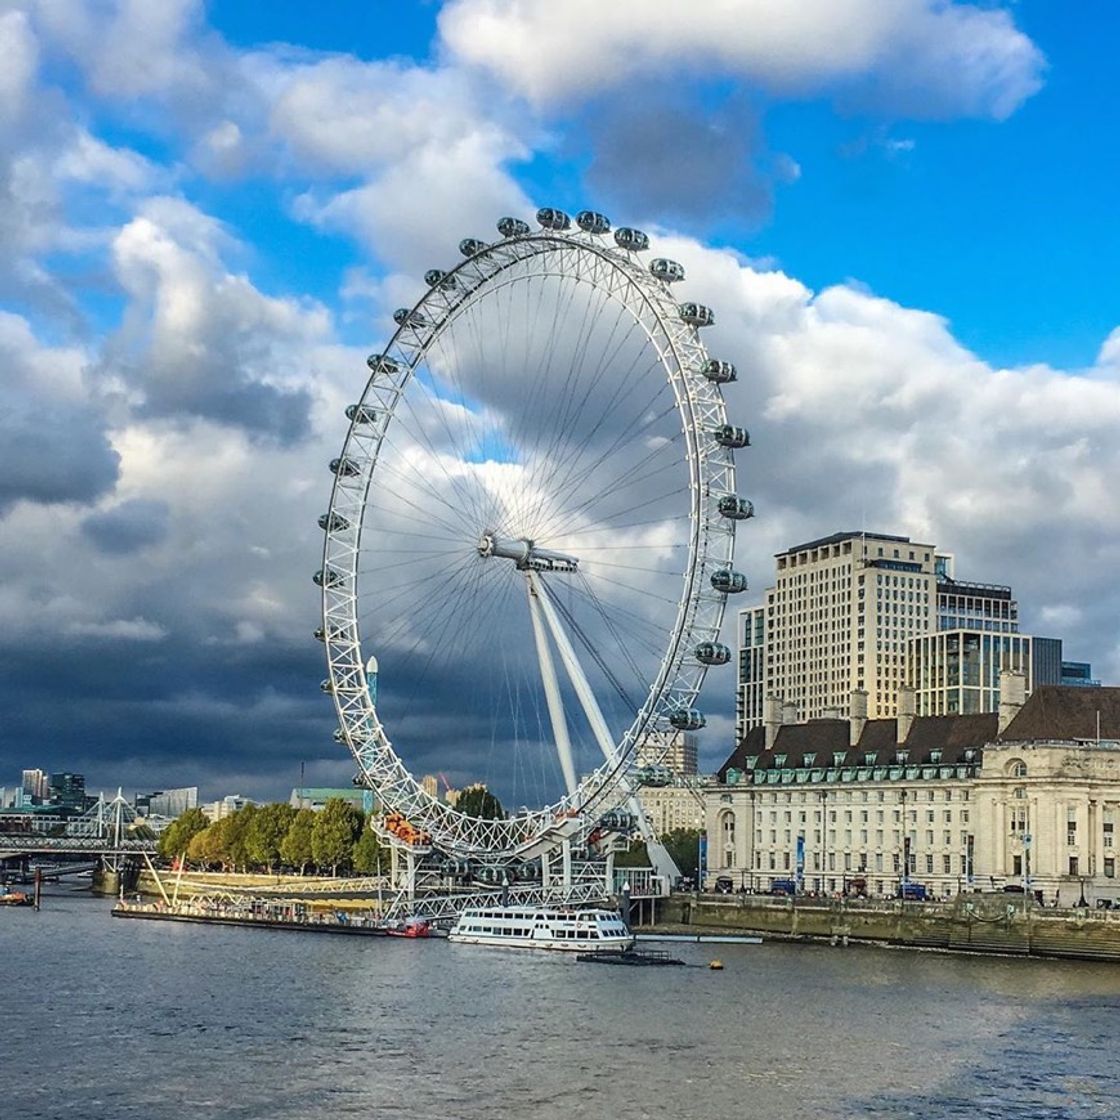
[337,826]
[634,856]
[206,848]
[295,848]
[237,836]
[478,801]
[177,836]
[367,851]
[266,832]
[683,844]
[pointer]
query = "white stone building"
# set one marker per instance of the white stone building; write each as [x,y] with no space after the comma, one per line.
[1028,797]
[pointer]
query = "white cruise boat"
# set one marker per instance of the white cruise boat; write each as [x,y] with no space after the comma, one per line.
[531,927]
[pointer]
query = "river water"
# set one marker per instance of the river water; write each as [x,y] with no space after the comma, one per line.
[105,1019]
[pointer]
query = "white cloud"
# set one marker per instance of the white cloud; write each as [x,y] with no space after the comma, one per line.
[925,57]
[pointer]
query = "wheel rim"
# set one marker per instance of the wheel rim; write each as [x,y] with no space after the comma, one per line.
[373,461]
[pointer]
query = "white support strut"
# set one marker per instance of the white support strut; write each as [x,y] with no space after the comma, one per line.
[551,687]
[663,862]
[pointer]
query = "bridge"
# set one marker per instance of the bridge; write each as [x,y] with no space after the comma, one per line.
[108,834]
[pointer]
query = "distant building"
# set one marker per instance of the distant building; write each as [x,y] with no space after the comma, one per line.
[167,803]
[956,672]
[36,784]
[677,805]
[316,797]
[68,791]
[675,750]
[226,806]
[429,783]
[1078,674]
[974,606]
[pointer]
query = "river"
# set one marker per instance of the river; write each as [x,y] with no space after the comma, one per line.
[104,1019]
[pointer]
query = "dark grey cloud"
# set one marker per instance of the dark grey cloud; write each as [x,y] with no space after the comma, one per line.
[128,527]
[52,455]
[662,151]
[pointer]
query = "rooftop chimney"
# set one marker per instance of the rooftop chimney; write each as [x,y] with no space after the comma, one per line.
[857,720]
[771,718]
[789,712]
[1012,696]
[907,709]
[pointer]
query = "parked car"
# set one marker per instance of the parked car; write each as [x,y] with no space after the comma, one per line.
[724,885]
[783,887]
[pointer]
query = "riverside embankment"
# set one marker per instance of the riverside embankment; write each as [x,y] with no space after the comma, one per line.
[988,923]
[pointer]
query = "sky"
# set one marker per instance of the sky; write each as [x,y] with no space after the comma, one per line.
[904,216]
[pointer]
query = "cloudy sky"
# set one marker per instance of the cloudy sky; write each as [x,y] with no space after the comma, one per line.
[904,215]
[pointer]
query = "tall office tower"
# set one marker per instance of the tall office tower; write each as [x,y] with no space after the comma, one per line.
[69,790]
[837,619]
[36,784]
[751,688]
[429,783]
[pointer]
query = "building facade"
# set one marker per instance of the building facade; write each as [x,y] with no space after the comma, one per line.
[675,751]
[679,805]
[838,619]
[957,672]
[1027,797]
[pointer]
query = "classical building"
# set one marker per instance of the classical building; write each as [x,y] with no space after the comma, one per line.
[1028,796]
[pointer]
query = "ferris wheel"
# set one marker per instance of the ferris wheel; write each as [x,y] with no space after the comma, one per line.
[528,546]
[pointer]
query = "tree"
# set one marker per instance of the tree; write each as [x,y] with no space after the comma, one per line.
[208,846]
[295,848]
[266,832]
[478,801]
[367,852]
[237,836]
[337,826]
[177,836]
[683,844]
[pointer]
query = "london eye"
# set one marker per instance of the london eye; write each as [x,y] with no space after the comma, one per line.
[529,540]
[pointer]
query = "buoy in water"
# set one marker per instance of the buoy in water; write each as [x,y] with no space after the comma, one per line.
[715,966]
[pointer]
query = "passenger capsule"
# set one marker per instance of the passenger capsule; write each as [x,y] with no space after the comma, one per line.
[727,435]
[437,278]
[338,735]
[382,363]
[320,634]
[735,508]
[729,582]
[719,372]
[362,413]
[712,653]
[616,821]
[687,719]
[548,218]
[345,468]
[333,522]
[655,776]
[590,222]
[665,270]
[326,686]
[328,577]
[696,314]
[404,316]
[512,227]
[632,240]
[471,246]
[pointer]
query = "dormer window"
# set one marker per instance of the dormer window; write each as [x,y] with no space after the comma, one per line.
[869,758]
[807,760]
[779,760]
[838,758]
[935,757]
[901,757]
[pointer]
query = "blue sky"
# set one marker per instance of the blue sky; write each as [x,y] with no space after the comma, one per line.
[903,214]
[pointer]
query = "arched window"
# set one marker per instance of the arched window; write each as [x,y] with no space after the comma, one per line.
[1017,768]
